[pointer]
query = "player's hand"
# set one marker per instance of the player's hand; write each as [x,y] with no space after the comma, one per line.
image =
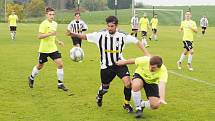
[53,33]
[121,62]
[61,43]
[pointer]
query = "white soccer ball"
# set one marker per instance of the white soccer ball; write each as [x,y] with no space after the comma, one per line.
[76,54]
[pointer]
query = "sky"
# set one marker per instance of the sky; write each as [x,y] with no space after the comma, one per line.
[176,2]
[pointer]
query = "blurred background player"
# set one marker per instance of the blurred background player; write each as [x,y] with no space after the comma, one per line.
[78,26]
[204,24]
[12,20]
[188,27]
[134,25]
[48,48]
[154,24]
[144,26]
[111,42]
[150,74]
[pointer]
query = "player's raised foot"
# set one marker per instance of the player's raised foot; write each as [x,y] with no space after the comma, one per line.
[128,107]
[139,112]
[179,65]
[99,100]
[30,82]
[62,87]
[190,67]
[146,46]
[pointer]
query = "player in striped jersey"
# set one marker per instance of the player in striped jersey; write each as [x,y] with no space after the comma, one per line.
[134,25]
[77,26]
[111,42]
[204,24]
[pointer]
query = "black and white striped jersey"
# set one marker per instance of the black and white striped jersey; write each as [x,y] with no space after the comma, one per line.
[110,46]
[204,22]
[77,26]
[134,22]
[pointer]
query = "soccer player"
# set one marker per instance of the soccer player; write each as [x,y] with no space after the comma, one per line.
[77,26]
[12,20]
[144,26]
[151,74]
[204,24]
[111,42]
[188,27]
[48,48]
[134,25]
[154,24]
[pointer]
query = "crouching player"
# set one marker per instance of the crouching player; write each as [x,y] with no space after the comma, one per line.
[151,74]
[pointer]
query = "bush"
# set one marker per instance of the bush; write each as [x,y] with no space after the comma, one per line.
[19,9]
[35,8]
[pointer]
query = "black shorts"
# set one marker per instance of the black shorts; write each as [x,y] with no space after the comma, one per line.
[154,31]
[144,33]
[134,29]
[108,74]
[204,28]
[151,90]
[12,28]
[188,45]
[76,41]
[43,57]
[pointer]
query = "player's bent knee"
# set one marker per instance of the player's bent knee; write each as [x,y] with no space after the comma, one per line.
[40,66]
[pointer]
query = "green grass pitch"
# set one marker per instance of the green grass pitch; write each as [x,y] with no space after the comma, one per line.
[188,99]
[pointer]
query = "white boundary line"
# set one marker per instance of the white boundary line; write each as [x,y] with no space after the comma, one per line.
[191,78]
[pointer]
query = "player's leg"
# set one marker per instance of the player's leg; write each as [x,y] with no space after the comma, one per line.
[162,91]
[14,32]
[137,84]
[76,41]
[144,41]
[107,75]
[190,58]
[39,66]
[155,34]
[183,54]
[11,32]
[152,35]
[123,73]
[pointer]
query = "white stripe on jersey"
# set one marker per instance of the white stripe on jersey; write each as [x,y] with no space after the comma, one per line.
[77,26]
[110,46]
[134,22]
[204,22]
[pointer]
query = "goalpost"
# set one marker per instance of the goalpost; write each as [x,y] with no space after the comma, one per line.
[135,11]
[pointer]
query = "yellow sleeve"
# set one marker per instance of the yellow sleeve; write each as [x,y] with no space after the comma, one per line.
[42,28]
[181,27]
[164,74]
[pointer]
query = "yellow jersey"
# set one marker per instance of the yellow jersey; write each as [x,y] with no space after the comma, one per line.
[187,31]
[154,23]
[143,64]
[48,45]
[12,20]
[144,23]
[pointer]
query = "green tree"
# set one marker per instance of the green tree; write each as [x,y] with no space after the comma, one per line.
[35,8]
[93,5]
[19,9]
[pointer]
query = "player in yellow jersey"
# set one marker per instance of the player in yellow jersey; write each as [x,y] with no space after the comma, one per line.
[151,74]
[188,27]
[12,19]
[154,24]
[144,26]
[48,48]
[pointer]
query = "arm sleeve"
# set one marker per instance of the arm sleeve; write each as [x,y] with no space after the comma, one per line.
[84,26]
[130,39]
[42,28]
[141,60]
[69,27]
[93,37]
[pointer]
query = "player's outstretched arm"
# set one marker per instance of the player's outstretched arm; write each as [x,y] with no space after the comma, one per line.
[141,46]
[125,62]
[81,36]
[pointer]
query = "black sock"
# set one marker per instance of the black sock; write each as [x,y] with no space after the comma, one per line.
[127,93]
[59,81]
[103,90]
[135,34]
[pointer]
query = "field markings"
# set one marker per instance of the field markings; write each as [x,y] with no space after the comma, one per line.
[191,78]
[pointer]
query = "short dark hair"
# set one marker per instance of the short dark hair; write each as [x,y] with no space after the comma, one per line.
[48,9]
[156,60]
[112,19]
[77,13]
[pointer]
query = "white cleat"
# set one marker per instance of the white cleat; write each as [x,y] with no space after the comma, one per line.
[179,65]
[190,67]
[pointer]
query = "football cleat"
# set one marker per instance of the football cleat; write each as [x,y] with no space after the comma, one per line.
[30,82]
[190,67]
[179,65]
[128,107]
[99,100]
[139,113]
[62,87]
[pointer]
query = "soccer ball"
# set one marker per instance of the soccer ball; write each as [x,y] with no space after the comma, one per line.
[76,54]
